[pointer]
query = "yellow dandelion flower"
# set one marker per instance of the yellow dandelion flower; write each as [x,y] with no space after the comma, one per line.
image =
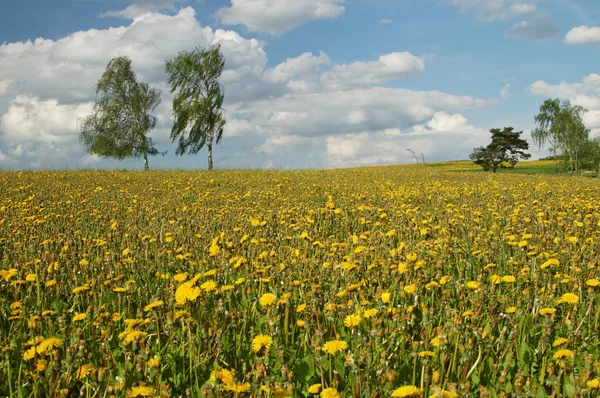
[352,320]
[548,311]
[371,312]
[508,279]
[511,310]
[330,393]
[426,354]
[261,341]
[180,277]
[134,335]
[267,299]
[435,342]
[84,371]
[314,389]
[569,298]
[593,384]
[224,376]
[472,285]
[385,297]
[300,323]
[208,286]
[300,308]
[31,277]
[79,317]
[154,304]
[406,391]
[51,282]
[562,354]
[444,280]
[41,365]
[410,289]
[334,346]
[140,391]
[593,282]
[559,341]
[154,362]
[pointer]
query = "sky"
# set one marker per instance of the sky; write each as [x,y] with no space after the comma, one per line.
[308,83]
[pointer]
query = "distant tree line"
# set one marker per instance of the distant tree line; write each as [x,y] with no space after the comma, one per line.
[121,119]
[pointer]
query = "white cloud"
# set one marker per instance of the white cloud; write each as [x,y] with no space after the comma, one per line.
[142,7]
[586,94]
[505,92]
[385,21]
[491,10]
[539,27]
[283,143]
[583,35]
[387,67]
[278,16]
[294,67]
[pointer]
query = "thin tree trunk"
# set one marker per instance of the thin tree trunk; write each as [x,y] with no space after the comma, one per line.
[210,159]
[146,166]
[555,162]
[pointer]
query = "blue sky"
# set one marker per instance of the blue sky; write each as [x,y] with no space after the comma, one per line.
[316,83]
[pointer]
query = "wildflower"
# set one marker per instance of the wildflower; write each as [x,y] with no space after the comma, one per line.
[79,317]
[238,387]
[208,286]
[154,362]
[385,297]
[154,304]
[426,354]
[569,298]
[508,279]
[370,313]
[224,376]
[314,389]
[84,370]
[593,282]
[300,308]
[180,277]
[511,310]
[300,323]
[406,391]
[41,365]
[472,285]
[562,354]
[559,341]
[261,341]
[31,277]
[352,320]
[141,391]
[330,393]
[267,299]
[593,384]
[410,289]
[334,346]
[119,290]
[547,311]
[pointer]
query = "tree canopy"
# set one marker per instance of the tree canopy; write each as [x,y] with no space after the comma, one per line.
[120,121]
[197,107]
[505,150]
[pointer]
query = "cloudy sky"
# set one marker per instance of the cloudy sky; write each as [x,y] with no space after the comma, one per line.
[308,83]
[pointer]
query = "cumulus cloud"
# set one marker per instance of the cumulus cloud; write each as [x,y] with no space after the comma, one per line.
[295,67]
[540,26]
[585,93]
[491,10]
[142,7]
[278,16]
[385,21]
[583,35]
[387,67]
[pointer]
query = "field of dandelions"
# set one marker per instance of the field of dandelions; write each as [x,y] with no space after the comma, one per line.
[372,282]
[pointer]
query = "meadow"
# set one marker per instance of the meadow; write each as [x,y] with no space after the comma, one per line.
[371,282]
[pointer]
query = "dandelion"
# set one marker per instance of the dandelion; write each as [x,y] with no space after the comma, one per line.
[267,299]
[406,391]
[208,286]
[314,388]
[84,371]
[559,341]
[352,320]
[592,282]
[548,311]
[410,289]
[152,305]
[511,310]
[300,323]
[593,384]
[238,387]
[370,313]
[154,362]
[330,393]
[562,354]
[300,308]
[385,297]
[508,279]
[334,346]
[79,317]
[261,341]
[569,298]
[140,391]
[224,376]
[472,285]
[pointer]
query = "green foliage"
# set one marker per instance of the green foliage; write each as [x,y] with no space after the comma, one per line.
[561,126]
[505,150]
[120,122]
[197,106]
